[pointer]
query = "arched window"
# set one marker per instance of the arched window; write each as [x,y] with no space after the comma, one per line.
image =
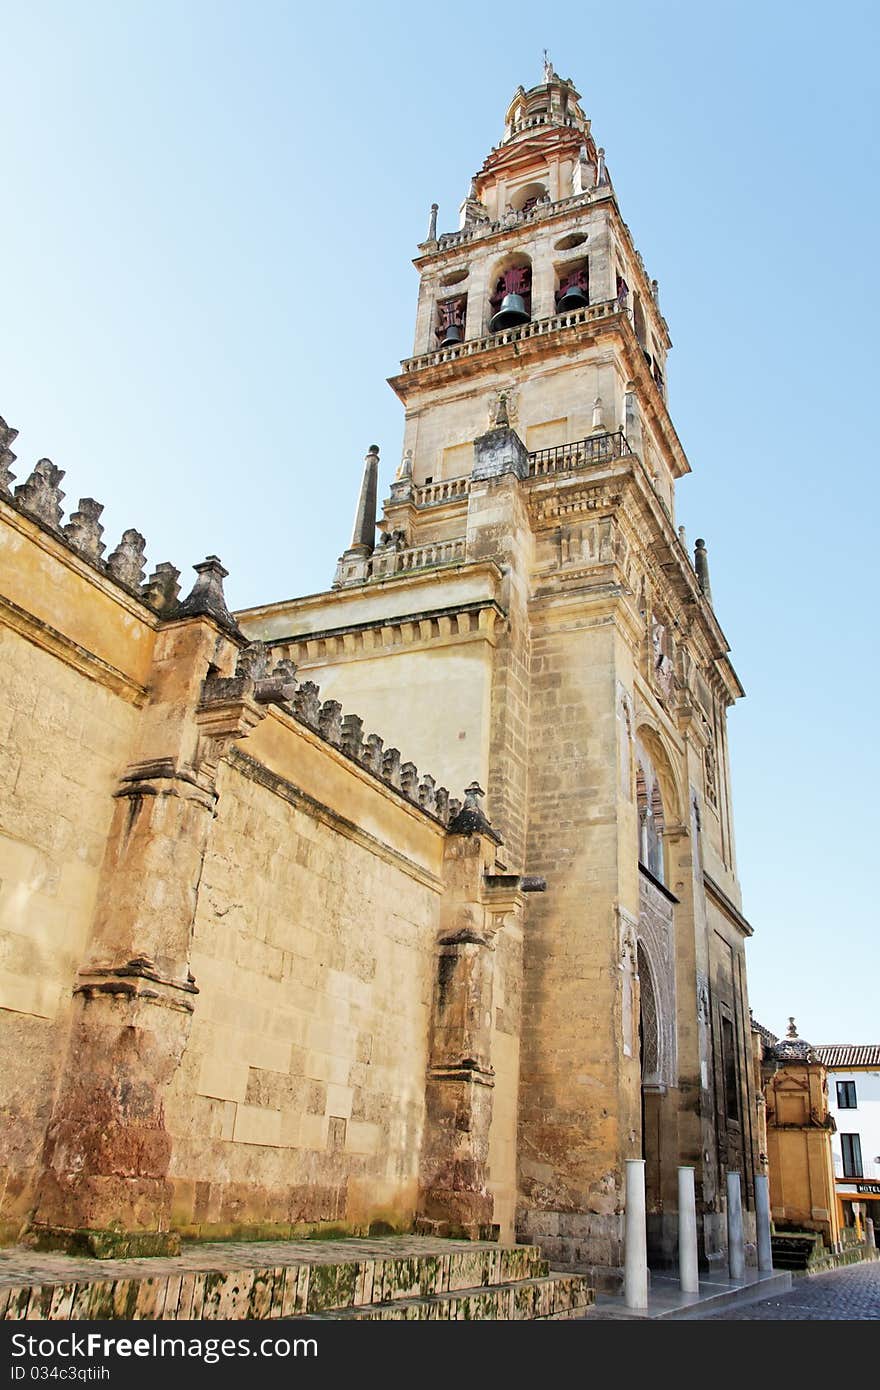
[652,821]
[528,197]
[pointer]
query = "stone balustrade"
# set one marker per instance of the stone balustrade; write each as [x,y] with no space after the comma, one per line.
[387,562]
[536,328]
[477,230]
[445,490]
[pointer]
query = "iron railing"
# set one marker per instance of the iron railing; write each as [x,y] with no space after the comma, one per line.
[598,448]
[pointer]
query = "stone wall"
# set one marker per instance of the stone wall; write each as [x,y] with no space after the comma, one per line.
[221,914]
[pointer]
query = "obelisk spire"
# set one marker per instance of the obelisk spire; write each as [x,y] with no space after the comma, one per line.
[363,536]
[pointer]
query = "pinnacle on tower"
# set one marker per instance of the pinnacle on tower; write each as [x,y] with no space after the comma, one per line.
[353,565]
[363,535]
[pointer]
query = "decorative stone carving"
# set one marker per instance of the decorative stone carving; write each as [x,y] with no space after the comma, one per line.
[330,722]
[84,530]
[661,658]
[253,661]
[655,942]
[628,967]
[162,589]
[207,598]
[711,773]
[41,494]
[471,818]
[504,408]
[307,704]
[409,780]
[352,735]
[126,563]
[371,754]
[426,795]
[7,458]
[625,730]
[391,767]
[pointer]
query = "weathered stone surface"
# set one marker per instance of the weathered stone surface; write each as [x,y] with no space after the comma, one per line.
[84,530]
[41,494]
[126,562]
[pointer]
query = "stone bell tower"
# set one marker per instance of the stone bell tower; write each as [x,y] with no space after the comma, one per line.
[529,615]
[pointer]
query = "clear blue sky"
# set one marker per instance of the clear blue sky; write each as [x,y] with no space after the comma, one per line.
[209,217]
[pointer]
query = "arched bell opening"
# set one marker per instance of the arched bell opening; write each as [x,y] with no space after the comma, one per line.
[510,302]
[524,199]
[450,318]
[573,286]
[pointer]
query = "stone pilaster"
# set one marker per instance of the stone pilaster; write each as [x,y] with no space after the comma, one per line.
[454,1199]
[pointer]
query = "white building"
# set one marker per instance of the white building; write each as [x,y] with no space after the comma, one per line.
[854,1102]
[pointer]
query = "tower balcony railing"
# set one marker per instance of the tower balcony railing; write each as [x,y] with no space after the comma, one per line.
[536,328]
[598,448]
[512,218]
[386,562]
[446,490]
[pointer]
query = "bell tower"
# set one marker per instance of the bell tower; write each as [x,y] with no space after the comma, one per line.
[530,616]
[541,270]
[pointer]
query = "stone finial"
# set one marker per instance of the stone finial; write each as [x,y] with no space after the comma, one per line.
[41,493]
[330,722]
[391,767]
[307,704]
[253,661]
[207,600]
[701,566]
[371,754]
[409,780]
[471,819]
[127,562]
[271,687]
[655,292]
[405,470]
[352,735]
[427,794]
[791,1031]
[598,417]
[601,173]
[7,458]
[363,536]
[84,530]
[441,804]
[285,671]
[432,222]
[161,589]
[682,536]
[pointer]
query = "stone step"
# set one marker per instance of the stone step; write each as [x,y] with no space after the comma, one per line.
[296,1284]
[557,1296]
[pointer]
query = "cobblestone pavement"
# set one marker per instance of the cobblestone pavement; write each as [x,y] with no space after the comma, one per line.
[851,1294]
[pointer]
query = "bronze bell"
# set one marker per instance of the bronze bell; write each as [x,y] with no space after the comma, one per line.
[453,335]
[574,298]
[511,313]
